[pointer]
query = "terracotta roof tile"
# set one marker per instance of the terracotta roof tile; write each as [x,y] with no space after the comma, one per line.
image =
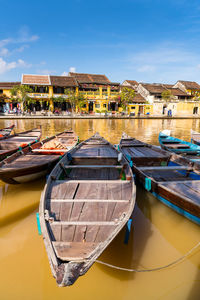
[36,79]
[132,82]
[90,78]
[63,81]
[190,85]
[8,85]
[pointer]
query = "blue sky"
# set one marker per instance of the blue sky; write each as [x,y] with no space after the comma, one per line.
[143,40]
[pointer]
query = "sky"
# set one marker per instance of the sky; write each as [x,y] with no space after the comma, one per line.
[142,40]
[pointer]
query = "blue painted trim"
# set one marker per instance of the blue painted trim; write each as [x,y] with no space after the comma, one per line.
[38,224]
[131,164]
[128,231]
[69,156]
[147,184]
[178,209]
[128,157]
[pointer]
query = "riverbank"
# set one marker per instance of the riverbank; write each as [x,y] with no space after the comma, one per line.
[11,117]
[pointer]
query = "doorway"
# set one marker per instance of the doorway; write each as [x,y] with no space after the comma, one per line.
[91,106]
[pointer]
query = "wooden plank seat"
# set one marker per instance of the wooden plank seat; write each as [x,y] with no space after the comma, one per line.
[177,146]
[74,251]
[93,166]
[160,168]
[50,150]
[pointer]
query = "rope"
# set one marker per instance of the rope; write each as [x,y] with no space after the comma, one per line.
[154,269]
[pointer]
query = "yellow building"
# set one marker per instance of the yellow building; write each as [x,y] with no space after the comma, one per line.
[48,92]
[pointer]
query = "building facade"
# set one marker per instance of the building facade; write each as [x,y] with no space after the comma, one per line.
[48,93]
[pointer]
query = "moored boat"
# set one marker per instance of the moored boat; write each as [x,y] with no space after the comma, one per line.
[6,131]
[10,144]
[37,160]
[88,198]
[178,146]
[174,180]
[195,137]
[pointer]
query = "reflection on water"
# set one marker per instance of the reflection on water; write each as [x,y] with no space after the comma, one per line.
[159,235]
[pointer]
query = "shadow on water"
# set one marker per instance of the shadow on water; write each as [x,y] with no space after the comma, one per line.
[19,201]
[129,255]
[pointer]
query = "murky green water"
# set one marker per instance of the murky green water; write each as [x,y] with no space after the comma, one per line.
[159,235]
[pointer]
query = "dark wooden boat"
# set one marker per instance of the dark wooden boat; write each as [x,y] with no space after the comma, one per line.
[195,137]
[6,131]
[11,144]
[36,160]
[173,179]
[88,198]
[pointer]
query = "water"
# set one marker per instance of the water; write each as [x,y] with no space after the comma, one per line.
[159,235]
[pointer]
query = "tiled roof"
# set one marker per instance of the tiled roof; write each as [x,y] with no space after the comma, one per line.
[90,78]
[132,82]
[8,85]
[154,88]
[158,88]
[138,98]
[190,85]
[63,81]
[36,79]
[177,92]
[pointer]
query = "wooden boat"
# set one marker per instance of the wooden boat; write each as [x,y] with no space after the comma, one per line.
[37,160]
[173,179]
[195,137]
[10,144]
[178,146]
[88,198]
[6,131]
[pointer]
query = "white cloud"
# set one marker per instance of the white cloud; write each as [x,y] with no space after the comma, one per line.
[7,66]
[167,62]
[4,52]
[64,74]
[72,69]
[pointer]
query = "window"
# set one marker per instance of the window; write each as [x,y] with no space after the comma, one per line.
[84,106]
[97,105]
[132,107]
[104,105]
[1,91]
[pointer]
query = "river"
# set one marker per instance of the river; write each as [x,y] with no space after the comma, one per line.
[158,237]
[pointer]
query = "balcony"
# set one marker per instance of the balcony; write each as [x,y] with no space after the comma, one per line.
[39,95]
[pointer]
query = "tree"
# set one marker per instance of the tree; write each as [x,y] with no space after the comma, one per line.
[127,96]
[20,93]
[167,95]
[74,99]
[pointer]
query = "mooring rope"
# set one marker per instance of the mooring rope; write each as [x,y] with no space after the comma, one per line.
[154,269]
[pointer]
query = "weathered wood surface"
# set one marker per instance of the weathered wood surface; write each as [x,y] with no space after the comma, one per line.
[34,159]
[89,205]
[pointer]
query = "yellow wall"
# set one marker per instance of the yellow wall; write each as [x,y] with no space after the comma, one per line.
[186,107]
[7,93]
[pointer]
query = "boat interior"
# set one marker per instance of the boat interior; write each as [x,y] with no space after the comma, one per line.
[89,199]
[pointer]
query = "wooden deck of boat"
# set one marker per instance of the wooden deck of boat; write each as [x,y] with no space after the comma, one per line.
[29,160]
[188,189]
[90,150]
[166,174]
[88,206]
[87,211]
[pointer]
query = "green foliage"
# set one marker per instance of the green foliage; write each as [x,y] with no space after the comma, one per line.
[127,96]
[167,95]
[20,93]
[74,99]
